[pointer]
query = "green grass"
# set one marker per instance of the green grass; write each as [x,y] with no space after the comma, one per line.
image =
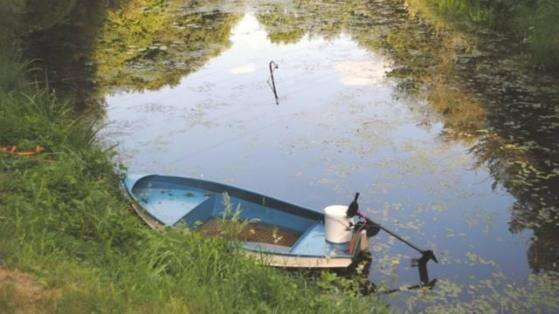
[533,22]
[63,220]
[539,25]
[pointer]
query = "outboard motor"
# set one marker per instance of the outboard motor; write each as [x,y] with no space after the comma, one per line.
[362,222]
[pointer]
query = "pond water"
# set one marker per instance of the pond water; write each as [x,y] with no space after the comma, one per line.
[371,100]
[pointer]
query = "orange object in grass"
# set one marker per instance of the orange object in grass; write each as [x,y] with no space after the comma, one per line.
[13,150]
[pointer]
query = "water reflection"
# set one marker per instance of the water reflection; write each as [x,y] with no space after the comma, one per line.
[93,49]
[59,36]
[146,48]
[508,114]
[448,141]
[328,138]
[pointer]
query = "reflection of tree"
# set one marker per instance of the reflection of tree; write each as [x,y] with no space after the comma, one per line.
[150,43]
[44,14]
[512,121]
[57,35]
[482,97]
[133,44]
[420,58]
[543,254]
[281,28]
[288,23]
[21,17]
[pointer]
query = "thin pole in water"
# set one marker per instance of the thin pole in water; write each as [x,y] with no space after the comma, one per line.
[273,66]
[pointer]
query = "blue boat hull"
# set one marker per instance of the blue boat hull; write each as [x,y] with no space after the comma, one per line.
[171,201]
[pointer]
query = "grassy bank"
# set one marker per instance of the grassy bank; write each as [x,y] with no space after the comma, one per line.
[64,222]
[532,22]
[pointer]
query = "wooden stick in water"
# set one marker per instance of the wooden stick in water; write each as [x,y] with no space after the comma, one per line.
[273,66]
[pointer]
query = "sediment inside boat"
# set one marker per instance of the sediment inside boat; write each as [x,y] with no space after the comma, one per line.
[250,231]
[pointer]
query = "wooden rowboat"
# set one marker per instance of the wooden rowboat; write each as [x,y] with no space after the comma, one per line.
[278,233]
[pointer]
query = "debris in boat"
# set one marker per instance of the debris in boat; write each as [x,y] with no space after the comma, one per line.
[252,232]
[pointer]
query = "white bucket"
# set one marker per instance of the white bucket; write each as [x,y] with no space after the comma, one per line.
[336,224]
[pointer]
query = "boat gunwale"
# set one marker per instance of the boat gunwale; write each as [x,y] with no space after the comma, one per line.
[276,203]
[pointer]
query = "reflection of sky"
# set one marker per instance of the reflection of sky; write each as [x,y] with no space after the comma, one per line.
[338,129]
[361,73]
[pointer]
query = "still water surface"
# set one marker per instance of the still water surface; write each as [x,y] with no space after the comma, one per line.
[201,105]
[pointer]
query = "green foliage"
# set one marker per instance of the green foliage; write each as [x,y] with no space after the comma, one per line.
[540,28]
[63,219]
[231,223]
[289,22]
[147,44]
[44,14]
[465,11]
[11,24]
[533,22]
[27,16]
[12,74]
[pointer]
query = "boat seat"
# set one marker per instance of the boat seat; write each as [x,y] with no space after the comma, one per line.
[199,213]
[266,247]
[312,243]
